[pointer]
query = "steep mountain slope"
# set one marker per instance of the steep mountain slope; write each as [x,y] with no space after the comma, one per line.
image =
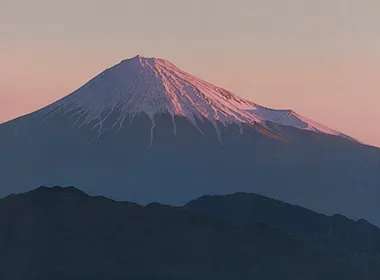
[155,133]
[56,233]
[152,86]
[355,242]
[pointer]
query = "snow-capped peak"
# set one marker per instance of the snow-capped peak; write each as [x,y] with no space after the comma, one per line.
[153,86]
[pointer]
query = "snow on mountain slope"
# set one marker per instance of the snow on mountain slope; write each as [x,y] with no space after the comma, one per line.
[153,86]
[291,118]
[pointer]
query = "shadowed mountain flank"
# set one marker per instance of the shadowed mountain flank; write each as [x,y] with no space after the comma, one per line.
[155,133]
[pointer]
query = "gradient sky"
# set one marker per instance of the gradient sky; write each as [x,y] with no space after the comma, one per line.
[318,57]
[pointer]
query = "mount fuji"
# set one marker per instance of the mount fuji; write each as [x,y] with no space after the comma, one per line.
[145,131]
[155,86]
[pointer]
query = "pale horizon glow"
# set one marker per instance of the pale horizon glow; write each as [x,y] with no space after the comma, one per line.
[319,58]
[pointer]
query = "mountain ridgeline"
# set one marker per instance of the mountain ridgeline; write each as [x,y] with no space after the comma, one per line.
[157,134]
[63,233]
[357,242]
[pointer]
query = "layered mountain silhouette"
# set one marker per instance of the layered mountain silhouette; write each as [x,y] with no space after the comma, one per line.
[146,131]
[63,233]
[357,242]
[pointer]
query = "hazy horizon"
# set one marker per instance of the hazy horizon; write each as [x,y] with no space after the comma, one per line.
[321,59]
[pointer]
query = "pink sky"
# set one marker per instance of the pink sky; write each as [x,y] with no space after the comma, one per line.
[320,59]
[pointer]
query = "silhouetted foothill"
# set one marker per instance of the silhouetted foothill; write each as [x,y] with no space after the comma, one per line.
[63,233]
[357,242]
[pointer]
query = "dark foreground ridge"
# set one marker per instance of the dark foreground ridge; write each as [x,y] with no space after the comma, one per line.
[63,233]
[355,241]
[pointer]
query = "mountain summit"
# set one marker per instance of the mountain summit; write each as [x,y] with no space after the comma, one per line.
[152,86]
[146,131]
[155,86]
